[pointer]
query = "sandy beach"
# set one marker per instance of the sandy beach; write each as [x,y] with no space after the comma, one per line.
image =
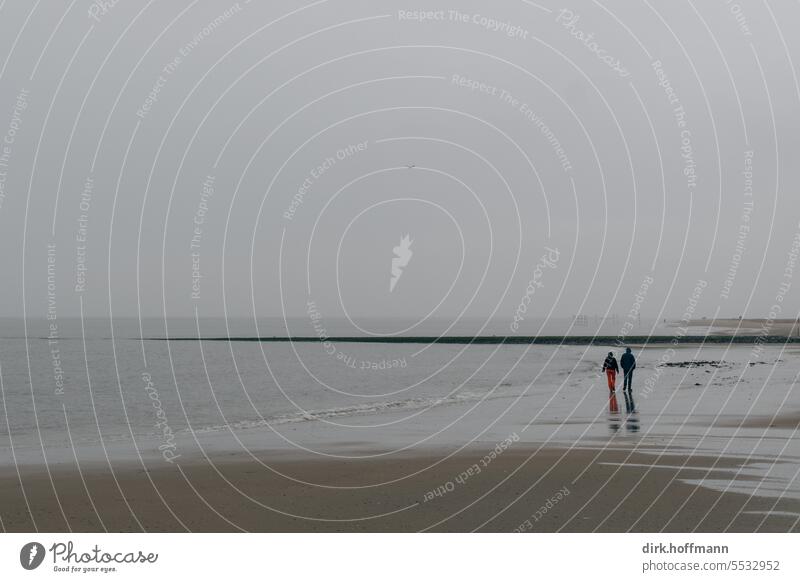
[578,490]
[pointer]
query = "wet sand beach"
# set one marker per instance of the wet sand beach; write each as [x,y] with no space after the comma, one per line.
[711,447]
[579,490]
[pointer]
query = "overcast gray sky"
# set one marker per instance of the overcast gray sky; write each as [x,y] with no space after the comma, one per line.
[299,142]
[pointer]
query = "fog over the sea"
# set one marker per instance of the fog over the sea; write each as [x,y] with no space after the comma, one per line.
[243,159]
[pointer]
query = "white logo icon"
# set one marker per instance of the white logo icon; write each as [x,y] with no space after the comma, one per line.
[401,259]
[31,555]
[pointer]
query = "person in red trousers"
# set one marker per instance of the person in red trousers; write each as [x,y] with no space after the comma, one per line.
[611,368]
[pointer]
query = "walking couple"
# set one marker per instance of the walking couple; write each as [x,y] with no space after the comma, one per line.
[611,368]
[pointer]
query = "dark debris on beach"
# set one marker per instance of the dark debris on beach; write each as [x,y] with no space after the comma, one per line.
[697,364]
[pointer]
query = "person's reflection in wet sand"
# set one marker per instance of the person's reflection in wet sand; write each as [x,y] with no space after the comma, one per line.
[614,422]
[629,405]
[613,406]
[613,412]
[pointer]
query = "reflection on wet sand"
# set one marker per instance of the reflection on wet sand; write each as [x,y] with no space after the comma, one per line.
[632,422]
[616,419]
[613,406]
[629,405]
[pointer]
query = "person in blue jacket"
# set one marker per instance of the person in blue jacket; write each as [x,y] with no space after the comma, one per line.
[628,363]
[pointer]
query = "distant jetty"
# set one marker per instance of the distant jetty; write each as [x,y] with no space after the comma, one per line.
[570,340]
